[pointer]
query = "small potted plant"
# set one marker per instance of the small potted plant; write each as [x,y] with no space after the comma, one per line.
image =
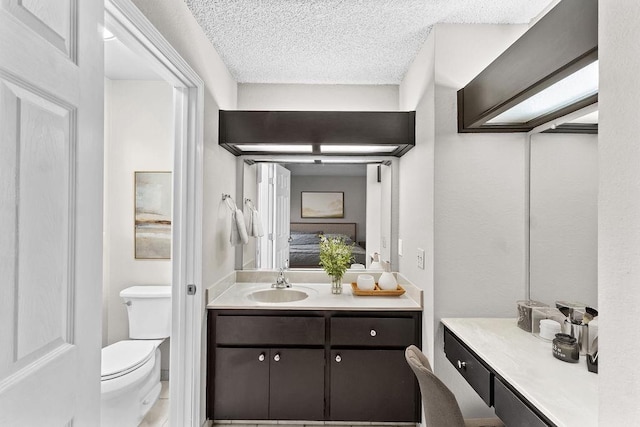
[335,257]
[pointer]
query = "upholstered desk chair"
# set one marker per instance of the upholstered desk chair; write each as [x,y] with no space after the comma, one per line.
[440,406]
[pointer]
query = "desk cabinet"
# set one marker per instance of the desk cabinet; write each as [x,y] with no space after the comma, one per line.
[511,408]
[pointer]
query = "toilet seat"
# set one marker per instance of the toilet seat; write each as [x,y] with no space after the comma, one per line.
[123,357]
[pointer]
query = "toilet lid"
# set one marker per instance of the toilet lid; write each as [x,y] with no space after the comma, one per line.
[125,356]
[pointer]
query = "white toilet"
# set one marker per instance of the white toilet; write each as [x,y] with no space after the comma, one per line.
[131,368]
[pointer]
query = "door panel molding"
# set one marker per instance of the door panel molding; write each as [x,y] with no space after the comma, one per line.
[54,21]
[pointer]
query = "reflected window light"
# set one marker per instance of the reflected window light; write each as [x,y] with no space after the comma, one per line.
[575,87]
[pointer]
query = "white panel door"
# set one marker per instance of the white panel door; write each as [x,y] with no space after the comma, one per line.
[282,216]
[51,126]
[264,244]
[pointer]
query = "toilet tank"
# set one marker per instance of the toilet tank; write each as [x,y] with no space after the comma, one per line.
[149,311]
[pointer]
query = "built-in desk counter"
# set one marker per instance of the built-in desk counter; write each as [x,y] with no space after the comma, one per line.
[525,380]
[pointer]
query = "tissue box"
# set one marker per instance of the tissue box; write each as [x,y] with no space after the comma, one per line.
[525,313]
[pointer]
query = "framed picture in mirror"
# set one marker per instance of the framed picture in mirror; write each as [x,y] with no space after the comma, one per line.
[318,204]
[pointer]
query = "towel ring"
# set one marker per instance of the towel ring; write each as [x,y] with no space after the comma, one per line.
[229,201]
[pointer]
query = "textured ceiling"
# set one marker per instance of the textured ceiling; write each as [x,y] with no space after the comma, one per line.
[337,41]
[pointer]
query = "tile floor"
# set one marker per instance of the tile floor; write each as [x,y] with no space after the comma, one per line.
[158,415]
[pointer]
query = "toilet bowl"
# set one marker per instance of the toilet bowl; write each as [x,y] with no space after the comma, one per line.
[130,372]
[130,381]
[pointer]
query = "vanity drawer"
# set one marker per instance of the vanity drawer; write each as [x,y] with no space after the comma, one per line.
[269,330]
[512,410]
[372,331]
[476,374]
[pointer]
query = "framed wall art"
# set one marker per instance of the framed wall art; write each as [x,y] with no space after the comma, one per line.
[153,215]
[316,204]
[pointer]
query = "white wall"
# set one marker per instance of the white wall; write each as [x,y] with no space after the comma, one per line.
[176,23]
[355,194]
[619,213]
[138,137]
[317,97]
[462,196]
[417,92]
[564,218]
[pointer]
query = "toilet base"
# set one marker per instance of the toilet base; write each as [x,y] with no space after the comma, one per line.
[128,406]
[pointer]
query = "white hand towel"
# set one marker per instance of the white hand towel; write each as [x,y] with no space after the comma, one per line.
[238,229]
[256,224]
[248,219]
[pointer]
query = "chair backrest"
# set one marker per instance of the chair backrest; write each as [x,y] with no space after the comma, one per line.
[440,406]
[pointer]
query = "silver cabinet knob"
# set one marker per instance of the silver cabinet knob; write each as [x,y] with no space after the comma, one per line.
[373,333]
[338,358]
[462,365]
[277,357]
[261,357]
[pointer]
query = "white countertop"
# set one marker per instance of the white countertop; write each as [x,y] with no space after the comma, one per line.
[320,298]
[567,393]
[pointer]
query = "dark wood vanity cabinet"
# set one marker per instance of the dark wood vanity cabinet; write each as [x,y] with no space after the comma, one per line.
[311,365]
[372,385]
[266,367]
[369,376]
[263,383]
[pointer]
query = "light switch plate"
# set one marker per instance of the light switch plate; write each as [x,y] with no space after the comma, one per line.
[421,258]
[399,247]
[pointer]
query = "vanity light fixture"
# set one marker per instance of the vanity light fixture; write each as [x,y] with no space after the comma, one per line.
[347,161]
[317,133]
[549,72]
[357,149]
[584,120]
[280,160]
[276,148]
[574,88]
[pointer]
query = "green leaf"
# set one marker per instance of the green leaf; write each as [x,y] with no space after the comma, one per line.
[335,256]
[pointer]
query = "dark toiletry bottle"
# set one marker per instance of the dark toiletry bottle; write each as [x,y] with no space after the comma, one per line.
[566,348]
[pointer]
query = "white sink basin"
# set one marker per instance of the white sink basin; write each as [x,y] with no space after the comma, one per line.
[278,295]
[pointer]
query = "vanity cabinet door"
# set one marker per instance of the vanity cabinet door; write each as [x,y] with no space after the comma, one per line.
[241,384]
[297,384]
[372,385]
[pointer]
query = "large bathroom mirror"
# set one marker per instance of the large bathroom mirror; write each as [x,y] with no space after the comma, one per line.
[297,201]
[563,218]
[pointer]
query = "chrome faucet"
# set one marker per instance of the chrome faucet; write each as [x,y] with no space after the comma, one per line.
[281,281]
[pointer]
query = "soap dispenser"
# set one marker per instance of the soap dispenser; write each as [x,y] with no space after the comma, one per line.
[375,264]
[387,281]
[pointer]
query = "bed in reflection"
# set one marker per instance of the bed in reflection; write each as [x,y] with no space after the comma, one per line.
[304,248]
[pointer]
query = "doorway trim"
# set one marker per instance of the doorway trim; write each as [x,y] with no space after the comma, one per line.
[130,25]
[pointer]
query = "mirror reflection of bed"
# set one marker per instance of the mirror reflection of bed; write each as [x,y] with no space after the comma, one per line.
[304,245]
